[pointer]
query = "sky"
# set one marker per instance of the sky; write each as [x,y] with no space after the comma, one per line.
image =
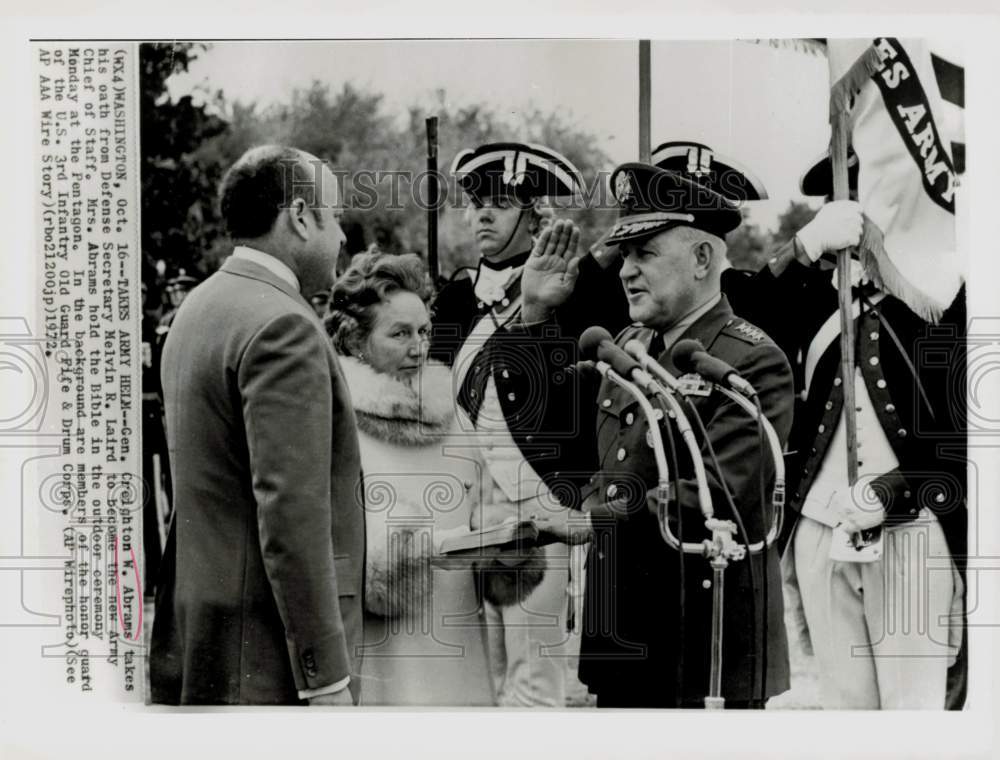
[762,106]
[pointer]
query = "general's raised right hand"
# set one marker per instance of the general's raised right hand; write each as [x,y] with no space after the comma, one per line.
[550,273]
[837,225]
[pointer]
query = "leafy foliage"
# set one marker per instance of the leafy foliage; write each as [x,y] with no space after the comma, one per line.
[187,147]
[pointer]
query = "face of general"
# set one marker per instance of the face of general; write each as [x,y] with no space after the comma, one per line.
[501,229]
[398,342]
[323,235]
[662,276]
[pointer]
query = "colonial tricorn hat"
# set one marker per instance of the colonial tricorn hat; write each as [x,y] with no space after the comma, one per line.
[818,180]
[696,161]
[652,200]
[521,171]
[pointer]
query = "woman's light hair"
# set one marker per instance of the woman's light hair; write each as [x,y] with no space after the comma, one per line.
[370,278]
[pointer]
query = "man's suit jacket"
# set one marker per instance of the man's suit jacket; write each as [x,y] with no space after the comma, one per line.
[261,594]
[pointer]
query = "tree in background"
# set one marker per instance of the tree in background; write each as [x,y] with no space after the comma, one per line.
[187,147]
[179,217]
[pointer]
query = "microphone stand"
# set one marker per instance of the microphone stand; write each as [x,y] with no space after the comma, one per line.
[722,548]
[719,551]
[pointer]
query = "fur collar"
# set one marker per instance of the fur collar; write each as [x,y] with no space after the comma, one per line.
[397,412]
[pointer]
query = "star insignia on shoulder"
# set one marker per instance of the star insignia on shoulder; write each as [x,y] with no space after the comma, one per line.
[748,332]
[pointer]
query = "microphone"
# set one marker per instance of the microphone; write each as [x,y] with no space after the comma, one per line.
[596,342]
[690,356]
[637,351]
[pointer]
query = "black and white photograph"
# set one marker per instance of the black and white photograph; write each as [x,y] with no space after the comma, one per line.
[399,381]
[452,397]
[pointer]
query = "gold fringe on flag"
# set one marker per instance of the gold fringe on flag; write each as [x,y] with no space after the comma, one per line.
[851,82]
[879,268]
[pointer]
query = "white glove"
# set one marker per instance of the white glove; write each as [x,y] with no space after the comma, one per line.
[858,508]
[837,225]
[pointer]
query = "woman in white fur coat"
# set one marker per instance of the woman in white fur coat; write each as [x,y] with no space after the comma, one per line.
[424,637]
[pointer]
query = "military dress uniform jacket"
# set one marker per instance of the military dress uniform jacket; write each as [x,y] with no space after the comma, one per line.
[633,643]
[539,397]
[915,375]
[261,589]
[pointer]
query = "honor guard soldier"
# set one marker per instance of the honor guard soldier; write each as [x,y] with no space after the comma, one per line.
[648,609]
[522,411]
[883,626]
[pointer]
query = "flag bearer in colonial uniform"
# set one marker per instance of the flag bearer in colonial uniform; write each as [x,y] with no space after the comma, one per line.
[884,620]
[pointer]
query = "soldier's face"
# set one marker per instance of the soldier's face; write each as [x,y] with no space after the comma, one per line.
[501,229]
[658,275]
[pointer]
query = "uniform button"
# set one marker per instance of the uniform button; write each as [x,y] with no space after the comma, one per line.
[511,397]
[797,494]
[822,428]
[873,335]
[861,464]
[857,408]
[612,491]
[311,672]
[706,583]
[505,375]
[873,361]
[829,405]
[629,418]
[837,381]
[529,438]
[805,470]
[505,302]
[473,393]
[913,511]
[606,403]
[939,498]
[901,432]
[890,408]
[907,494]
[621,454]
[880,383]
[812,451]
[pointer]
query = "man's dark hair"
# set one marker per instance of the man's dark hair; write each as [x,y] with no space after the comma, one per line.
[263,181]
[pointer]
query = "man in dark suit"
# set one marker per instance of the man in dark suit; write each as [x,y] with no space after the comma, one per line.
[648,611]
[261,599]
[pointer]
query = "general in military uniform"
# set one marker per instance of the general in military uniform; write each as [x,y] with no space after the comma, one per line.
[647,629]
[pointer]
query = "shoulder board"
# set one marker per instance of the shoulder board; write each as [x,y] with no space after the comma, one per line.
[743,330]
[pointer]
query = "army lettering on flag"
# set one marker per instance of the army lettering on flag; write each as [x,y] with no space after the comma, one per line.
[907,182]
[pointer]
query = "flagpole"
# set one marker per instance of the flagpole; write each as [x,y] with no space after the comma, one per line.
[839,130]
[433,198]
[645,93]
